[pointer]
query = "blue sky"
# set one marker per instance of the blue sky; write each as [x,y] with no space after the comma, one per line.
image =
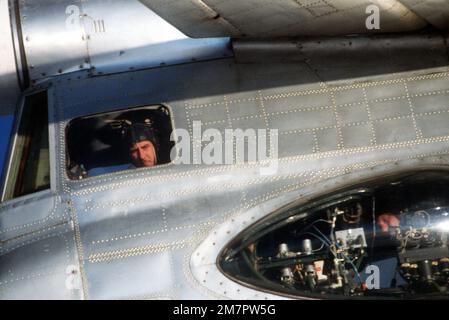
[5,131]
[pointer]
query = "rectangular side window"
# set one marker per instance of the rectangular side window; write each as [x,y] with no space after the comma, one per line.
[118,140]
[29,169]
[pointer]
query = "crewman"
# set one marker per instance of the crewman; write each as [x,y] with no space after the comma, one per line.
[142,143]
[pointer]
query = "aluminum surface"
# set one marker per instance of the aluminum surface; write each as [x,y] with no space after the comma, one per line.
[292,18]
[104,36]
[156,233]
[346,109]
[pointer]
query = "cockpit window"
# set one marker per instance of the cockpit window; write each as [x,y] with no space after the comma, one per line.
[387,239]
[120,140]
[29,169]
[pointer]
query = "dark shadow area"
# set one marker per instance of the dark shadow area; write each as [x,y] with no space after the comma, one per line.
[271,65]
[327,59]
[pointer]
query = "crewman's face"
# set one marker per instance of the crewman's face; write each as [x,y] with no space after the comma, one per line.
[143,154]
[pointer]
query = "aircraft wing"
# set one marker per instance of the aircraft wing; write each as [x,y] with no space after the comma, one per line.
[289,18]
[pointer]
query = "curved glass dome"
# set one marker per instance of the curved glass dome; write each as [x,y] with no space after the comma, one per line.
[387,239]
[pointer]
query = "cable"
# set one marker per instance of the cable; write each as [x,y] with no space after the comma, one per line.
[345,257]
[322,246]
[318,230]
[320,220]
[355,269]
[314,222]
[318,237]
[326,242]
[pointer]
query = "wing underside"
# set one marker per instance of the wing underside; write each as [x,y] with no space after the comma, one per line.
[290,18]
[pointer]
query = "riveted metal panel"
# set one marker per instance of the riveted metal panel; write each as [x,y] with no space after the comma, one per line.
[104,36]
[125,35]
[284,18]
[53,37]
[9,82]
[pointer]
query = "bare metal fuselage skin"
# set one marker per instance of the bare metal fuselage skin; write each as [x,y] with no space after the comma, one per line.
[345,113]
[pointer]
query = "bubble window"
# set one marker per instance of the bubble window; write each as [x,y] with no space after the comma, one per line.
[383,239]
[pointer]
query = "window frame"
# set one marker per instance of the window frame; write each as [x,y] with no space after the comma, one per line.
[12,153]
[65,175]
[366,185]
